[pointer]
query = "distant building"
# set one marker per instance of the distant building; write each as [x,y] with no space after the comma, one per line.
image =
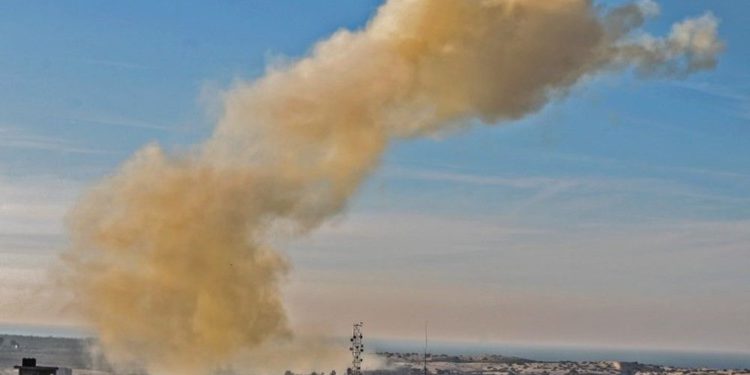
[29,367]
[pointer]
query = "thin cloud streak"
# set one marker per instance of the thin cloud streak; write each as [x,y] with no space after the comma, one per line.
[474,179]
[611,162]
[530,283]
[714,90]
[35,205]
[112,120]
[737,99]
[32,211]
[14,139]
[114,63]
[552,186]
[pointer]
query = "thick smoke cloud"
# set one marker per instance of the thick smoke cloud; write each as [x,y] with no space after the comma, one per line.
[171,260]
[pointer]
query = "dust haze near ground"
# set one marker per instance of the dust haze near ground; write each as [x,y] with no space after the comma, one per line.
[171,259]
[82,357]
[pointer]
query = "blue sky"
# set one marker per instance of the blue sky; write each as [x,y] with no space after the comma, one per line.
[615,216]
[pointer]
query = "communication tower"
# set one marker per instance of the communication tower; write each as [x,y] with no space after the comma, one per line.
[357,349]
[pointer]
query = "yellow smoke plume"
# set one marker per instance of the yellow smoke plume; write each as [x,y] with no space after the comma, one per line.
[170,259]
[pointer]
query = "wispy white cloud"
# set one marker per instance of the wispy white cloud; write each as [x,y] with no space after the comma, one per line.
[474,179]
[405,167]
[32,210]
[608,162]
[545,187]
[115,120]
[113,63]
[569,280]
[715,90]
[35,205]
[736,96]
[386,234]
[13,138]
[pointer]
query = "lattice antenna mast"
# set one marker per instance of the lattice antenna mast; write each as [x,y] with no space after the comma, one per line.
[357,349]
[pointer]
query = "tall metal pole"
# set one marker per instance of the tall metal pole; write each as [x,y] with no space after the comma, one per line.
[425,347]
[357,349]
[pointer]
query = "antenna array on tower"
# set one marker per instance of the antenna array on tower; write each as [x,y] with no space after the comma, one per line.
[357,349]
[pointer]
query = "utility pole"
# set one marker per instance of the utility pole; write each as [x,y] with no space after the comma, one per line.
[425,348]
